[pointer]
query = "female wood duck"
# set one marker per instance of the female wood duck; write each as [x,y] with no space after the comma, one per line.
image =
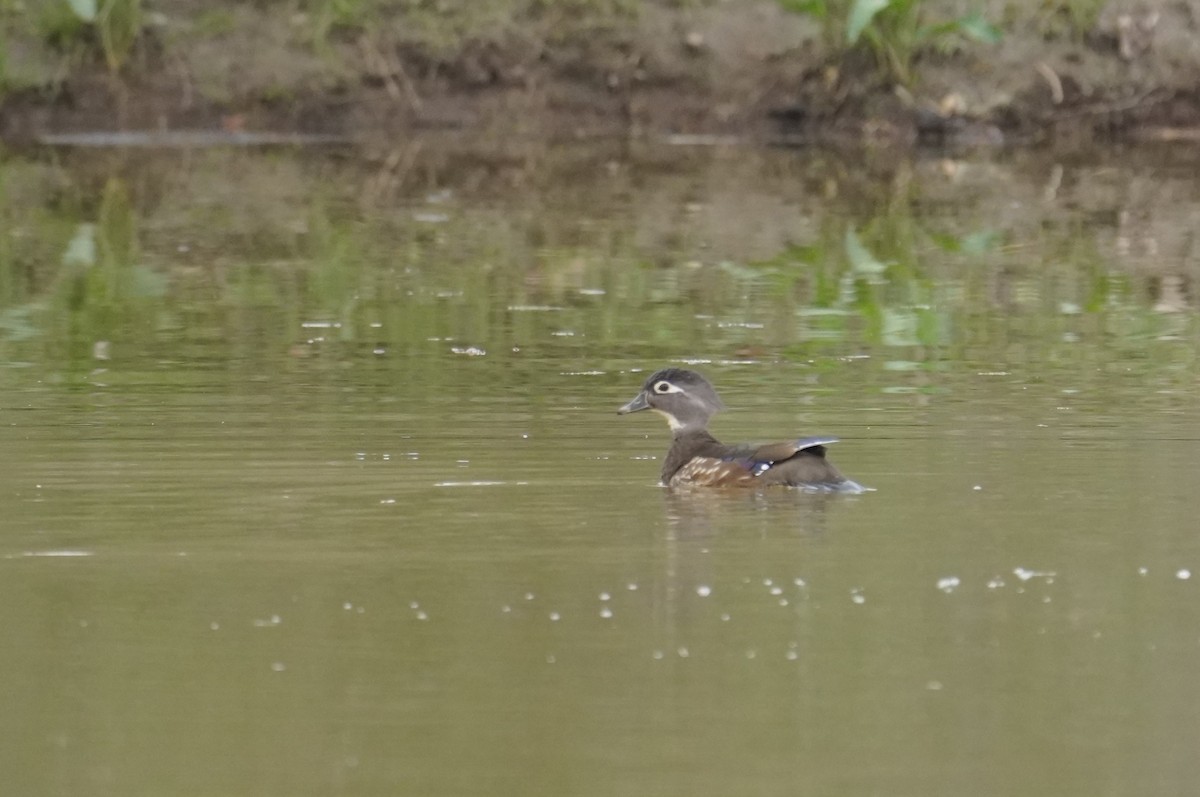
[687,401]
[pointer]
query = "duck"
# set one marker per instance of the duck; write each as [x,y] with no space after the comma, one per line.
[688,401]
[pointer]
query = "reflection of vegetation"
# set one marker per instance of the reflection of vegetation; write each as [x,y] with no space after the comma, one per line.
[270,259]
[103,291]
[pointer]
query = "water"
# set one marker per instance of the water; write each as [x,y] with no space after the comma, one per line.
[313,481]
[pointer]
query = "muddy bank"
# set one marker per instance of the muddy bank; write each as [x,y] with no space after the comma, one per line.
[688,72]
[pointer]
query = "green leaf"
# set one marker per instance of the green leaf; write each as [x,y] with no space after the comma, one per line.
[899,328]
[860,16]
[946,242]
[81,250]
[16,321]
[939,30]
[84,9]
[975,243]
[814,8]
[795,253]
[979,242]
[147,284]
[860,257]
[974,26]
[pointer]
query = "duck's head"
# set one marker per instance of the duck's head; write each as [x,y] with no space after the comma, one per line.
[683,397]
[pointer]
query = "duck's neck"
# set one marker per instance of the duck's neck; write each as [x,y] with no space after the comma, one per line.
[680,431]
[688,442]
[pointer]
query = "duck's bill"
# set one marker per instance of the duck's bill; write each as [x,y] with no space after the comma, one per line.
[639,403]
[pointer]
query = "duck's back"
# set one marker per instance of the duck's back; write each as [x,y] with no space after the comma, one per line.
[697,458]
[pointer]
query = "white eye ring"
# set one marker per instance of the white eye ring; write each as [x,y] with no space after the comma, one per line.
[666,387]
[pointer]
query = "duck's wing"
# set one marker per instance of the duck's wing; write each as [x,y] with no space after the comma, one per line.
[806,470]
[771,453]
[798,463]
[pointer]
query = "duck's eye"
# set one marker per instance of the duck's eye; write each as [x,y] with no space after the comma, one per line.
[665,387]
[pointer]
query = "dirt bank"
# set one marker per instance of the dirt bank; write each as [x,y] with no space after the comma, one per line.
[692,71]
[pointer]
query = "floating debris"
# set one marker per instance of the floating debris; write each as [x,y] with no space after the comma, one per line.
[948,584]
[1025,575]
[426,217]
[479,484]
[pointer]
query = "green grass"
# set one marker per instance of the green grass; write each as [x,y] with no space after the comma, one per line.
[444,24]
[214,22]
[119,23]
[895,31]
[111,27]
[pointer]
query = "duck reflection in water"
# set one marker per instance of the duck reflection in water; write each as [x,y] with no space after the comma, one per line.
[707,514]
